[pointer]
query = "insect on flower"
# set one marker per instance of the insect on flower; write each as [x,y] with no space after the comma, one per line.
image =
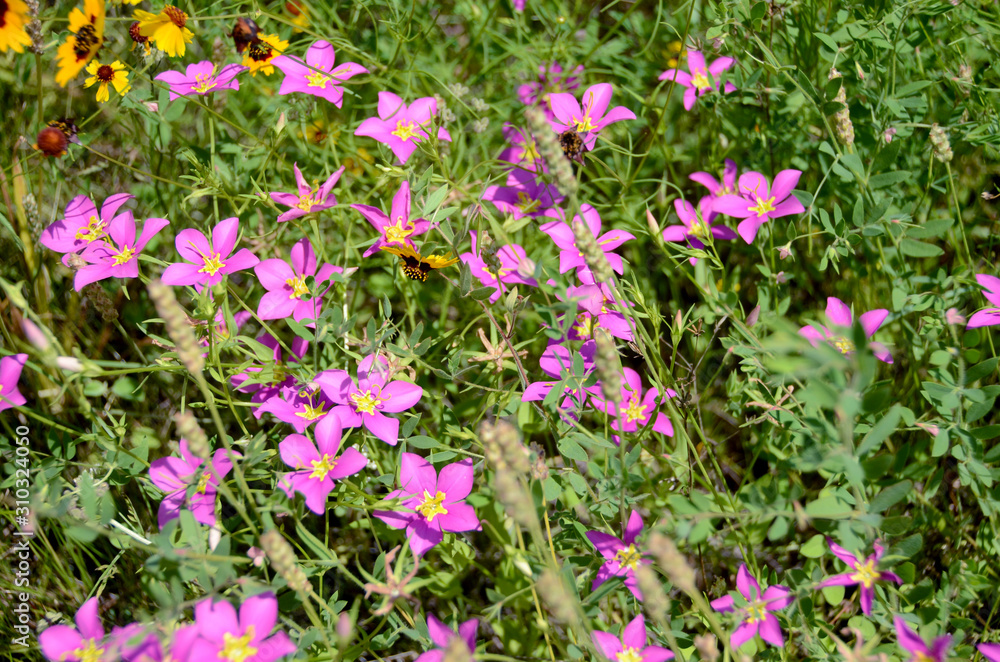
[244,33]
[417,266]
[572,145]
[55,137]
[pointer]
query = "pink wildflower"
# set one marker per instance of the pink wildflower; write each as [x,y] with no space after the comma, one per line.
[174,475]
[201,78]
[317,464]
[990,651]
[298,405]
[570,256]
[757,616]
[117,255]
[287,291]
[249,381]
[10,374]
[595,302]
[919,651]
[697,225]
[435,503]
[307,199]
[401,127]
[222,635]
[83,643]
[522,153]
[523,195]
[551,79]
[396,228]
[557,361]
[365,402]
[697,82]
[839,314]
[632,645]
[714,186]
[987,316]
[442,636]
[515,268]
[209,260]
[82,225]
[589,120]
[864,572]
[317,75]
[636,409]
[621,556]
[758,202]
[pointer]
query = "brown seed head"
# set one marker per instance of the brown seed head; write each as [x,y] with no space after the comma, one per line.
[176,16]
[51,142]
[133,31]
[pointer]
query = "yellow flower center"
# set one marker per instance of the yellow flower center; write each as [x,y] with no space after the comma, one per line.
[843,345]
[526,204]
[628,654]
[635,410]
[366,402]
[124,256]
[757,611]
[94,229]
[700,80]
[584,125]
[213,263]
[237,649]
[763,206]
[530,152]
[585,325]
[404,130]
[920,657]
[307,202]
[204,82]
[202,486]
[866,574]
[311,413]
[431,506]
[396,234]
[318,79]
[628,557]
[322,467]
[699,230]
[298,285]
[88,652]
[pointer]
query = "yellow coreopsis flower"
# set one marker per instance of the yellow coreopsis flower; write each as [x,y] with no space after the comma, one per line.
[13,18]
[166,29]
[261,51]
[87,27]
[107,74]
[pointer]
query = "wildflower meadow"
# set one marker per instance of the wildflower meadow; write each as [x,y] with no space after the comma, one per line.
[509,331]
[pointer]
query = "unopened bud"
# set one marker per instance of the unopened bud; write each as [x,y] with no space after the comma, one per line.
[345,629]
[843,126]
[283,560]
[654,227]
[35,335]
[185,341]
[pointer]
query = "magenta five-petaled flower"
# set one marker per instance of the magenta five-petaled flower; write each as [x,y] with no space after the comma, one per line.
[82,225]
[117,255]
[396,229]
[699,81]
[757,201]
[589,119]
[864,572]
[288,293]
[245,637]
[201,78]
[307,198]
[515,268]
[523,196]
[839,314]
[631,647]
[987,316]
[522,153]
[557,361]
[621,555]
[317,75]
[570,255]
[919,651]
[757,616]
[208,260]
[433,503]
[85,642]
[716,188]
[697,225]
[595,301]
[317,464]
[399,126]
[174,475]
[442,636]
[10,374]
[367,401]
[635,409]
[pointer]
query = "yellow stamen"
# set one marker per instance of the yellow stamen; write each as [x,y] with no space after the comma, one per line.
[298,285]
[322,467]
[843,345]
[204,82]
[757,611]
[202,486]
[628,557]
[237,649]
[763,206]
[526,204]
[124,256]
[212,264]
[311,413]
[866,574]
[94,229]
[405,131]
[88,652]
[628,654]
[397,234]
[318,79]
[635,411]
[431,507]
[366,402]
[700,80]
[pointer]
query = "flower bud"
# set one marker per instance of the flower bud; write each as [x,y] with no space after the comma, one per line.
[844,127]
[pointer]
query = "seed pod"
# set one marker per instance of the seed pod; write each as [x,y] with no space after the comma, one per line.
[283,560]
[844,127]
[102,303]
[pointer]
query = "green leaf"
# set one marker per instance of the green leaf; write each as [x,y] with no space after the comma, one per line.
[814,548]
[880,432]
[827,41]
[889,179]
[915,248]
[572,450]
[890,496]
[829,507]
[482,293]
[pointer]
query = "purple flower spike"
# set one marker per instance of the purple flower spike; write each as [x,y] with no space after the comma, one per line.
[632,645]
[209,260]
[84,643]
[82,224]
[224,635]
[839,314]
[317,464]
[987,316]
[442,636]
[592,117]
[365,402]
[757,616]
[912,643]
[621,556]
[174,475]
[515,268]
[401,127]
[523,196]
[435,503]
[118,255]
[317,75]
[697,82]
[307,199]
[201,78]
[287,291]
[570,256]
[864,573]
[758,202]
[397,228]
[990,651]
[697,225]
[10,374]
